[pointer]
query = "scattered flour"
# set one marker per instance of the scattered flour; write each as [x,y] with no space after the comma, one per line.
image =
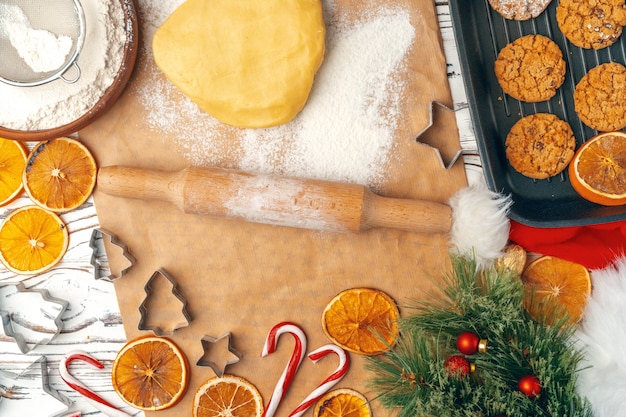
[346,129]
[283,201]
[58,103]
[42,50]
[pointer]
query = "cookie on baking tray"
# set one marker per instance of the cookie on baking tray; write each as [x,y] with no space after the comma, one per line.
[519,9]
[530,68]
[600,95]
[540,146]
[591,24]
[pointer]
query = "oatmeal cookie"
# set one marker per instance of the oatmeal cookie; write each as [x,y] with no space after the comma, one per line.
[540,145]
[591,24]
[600,95]
[530,68]
[519,9]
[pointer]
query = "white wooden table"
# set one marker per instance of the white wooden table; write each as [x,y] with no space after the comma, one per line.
[93,324]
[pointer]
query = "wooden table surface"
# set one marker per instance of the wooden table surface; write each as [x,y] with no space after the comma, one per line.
[92,322]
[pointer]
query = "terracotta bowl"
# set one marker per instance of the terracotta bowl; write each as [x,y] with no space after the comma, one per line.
[108,98]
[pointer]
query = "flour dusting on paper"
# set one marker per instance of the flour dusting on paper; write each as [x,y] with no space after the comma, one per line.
[346,130]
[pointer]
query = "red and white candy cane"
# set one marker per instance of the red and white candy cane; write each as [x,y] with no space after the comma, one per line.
[329,382]
[98,402]
[292,367]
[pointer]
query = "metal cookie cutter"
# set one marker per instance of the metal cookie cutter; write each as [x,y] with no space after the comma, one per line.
[8,319]
[437,113]
[143,308]
[99,258]
[208,343]
[30,393]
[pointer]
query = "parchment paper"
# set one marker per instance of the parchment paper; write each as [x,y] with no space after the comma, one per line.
[244,278]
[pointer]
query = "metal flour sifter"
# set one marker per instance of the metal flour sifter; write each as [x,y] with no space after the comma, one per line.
[40,41]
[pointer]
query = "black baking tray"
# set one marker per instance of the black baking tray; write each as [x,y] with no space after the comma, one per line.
[480,34]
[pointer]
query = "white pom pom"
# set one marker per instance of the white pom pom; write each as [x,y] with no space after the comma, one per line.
[480,226]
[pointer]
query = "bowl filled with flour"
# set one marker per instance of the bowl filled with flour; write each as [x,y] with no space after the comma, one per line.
[64,80]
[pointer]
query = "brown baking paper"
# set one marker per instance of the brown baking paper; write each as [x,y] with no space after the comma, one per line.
[244,278]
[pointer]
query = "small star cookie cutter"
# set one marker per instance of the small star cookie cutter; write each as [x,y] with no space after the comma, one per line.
[144,307]
[208,343]
[99,259]
[447,157]
[7,318]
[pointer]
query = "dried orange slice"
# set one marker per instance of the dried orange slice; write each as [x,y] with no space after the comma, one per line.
[32,240]
[228,396]
[343,402]
[551,284]
[60,174]
[361,320]
[150,373]
[13,156]
[598,170]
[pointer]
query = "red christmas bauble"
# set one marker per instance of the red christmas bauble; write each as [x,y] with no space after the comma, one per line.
[529,385]
[458,366]
[467,343]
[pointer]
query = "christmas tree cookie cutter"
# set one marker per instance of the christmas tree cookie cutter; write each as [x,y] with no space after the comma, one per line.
[99,259]
[9,325]
[25,393]
[209,344]
[438,113]
[145,309]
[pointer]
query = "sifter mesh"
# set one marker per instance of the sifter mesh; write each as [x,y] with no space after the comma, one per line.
[40,40]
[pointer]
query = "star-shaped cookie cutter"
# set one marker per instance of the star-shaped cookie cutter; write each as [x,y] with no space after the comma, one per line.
[99,259]
[21,395]
[8,322]
[143,309]
[208,343]
[447,157]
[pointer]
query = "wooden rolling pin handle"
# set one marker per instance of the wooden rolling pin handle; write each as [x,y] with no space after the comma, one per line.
[418,216]
[143,184]
[259,198]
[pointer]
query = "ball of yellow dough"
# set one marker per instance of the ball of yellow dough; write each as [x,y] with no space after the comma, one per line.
[248,63]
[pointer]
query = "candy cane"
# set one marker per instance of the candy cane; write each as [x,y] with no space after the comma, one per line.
[329,382]
[292,367]
[98,402]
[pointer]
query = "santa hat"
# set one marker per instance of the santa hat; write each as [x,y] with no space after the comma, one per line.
[595,246]
[602,340]
[480,226]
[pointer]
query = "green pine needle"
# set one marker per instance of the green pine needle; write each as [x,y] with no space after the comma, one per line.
[411,378]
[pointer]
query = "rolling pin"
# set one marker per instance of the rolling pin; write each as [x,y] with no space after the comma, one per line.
[276,200]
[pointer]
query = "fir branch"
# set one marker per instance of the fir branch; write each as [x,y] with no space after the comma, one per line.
[473,298]
[412,378]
